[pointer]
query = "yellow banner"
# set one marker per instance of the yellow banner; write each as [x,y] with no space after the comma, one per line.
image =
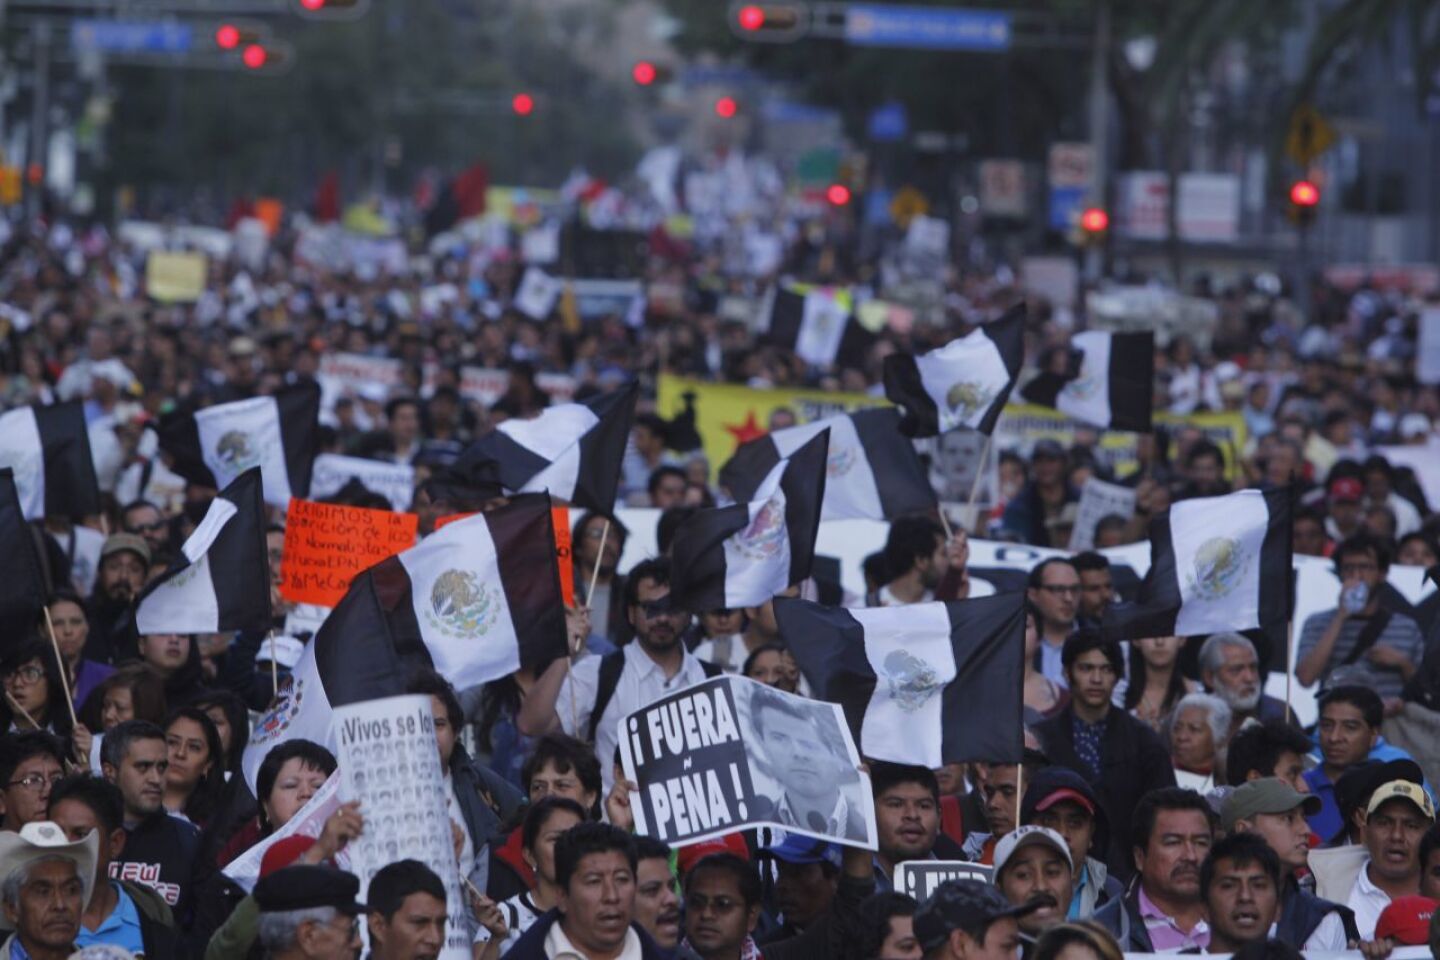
[175,277]
[727,414]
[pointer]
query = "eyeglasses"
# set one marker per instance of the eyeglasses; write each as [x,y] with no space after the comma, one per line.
[655,609]
[699,903]
[144,528]
[1056,589]
[29,674]
[36,781]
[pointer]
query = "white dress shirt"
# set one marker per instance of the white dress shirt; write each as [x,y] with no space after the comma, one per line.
[1368,901]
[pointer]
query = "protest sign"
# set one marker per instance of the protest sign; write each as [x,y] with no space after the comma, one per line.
[308,821]
[1424,460]
[919,878]
[326,545]
[728,754]
[390,762]
[564,555]
[172,277]
[1099,500]
[1427,364]
[394,481]
[341,374]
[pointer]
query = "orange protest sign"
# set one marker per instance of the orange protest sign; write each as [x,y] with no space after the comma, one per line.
[560,519]
[326,545]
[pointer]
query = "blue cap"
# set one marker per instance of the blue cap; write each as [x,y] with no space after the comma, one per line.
[800,850]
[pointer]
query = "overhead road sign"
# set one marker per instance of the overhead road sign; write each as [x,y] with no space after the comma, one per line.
[927,28]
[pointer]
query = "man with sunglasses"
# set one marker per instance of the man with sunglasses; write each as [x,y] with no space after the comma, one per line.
[30,764]
[722,906]
[144,519]
[588,697]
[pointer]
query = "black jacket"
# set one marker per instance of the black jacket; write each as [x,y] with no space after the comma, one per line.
[161,852]
[487,802]
[838,933]
[157,921]
[1121,917]
[1301,913]
[531,945]
[1133,762]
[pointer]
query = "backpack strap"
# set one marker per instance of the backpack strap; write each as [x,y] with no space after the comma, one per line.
[611,666]
[711,669]
[1368,636]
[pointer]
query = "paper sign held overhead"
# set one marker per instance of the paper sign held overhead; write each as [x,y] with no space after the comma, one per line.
[175,277]
[327,545]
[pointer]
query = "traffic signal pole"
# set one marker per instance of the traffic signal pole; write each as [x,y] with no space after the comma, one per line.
[1097,254]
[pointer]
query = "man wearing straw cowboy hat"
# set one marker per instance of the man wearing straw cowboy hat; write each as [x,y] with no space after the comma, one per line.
[45,882]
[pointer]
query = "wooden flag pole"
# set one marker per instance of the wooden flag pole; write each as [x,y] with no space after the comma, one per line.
[64,680]
[1019,787]
[599,557]
[14,705]
[975,488]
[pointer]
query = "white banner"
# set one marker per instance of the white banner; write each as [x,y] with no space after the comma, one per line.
[394,481]
[390,762]
[308,821]
[1099,500]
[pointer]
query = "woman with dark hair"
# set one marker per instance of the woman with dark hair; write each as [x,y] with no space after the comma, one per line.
[773,665]
[288,777]
[232,721]
[176,657]
[72,629]
[134,692]
[546,820]
[1154,683]
[34,691]
[195,779]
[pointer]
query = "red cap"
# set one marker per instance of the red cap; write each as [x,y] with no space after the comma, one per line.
[687,857]
[1347,489]
[1060,796]
[283,853]
[1407,921]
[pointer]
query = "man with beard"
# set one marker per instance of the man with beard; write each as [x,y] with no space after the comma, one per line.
[1230,669]
[1097,587]
[1033,869]
[1239,884]
[596,692]
[124,565]
[1172,831]
[802,759]
[916,558]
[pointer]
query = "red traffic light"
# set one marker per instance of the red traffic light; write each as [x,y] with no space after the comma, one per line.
[1303,193]
[254,56]
[523,104]
[838,194]
[644,73]
[313,5]
[726,107]
[1094,220]
[227,36]
[751,17]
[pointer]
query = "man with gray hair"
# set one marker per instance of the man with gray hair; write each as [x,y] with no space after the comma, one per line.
[1230,669]
[309,913]
[45,881]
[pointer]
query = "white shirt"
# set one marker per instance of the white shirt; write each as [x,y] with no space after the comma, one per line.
[738,653]
[520,915]
[888,599]
[1329,937]
[641,682]
[1368,901]
[559,947]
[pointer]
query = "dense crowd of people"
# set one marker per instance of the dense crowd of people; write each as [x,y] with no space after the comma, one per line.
[1164,803]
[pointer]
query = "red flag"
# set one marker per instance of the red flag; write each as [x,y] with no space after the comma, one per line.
[470,188]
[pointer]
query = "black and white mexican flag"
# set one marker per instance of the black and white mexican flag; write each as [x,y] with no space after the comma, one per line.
[1109,381]
[277,433]
[22,585]
[48,448]
[573,451]
[964,383]
[476,601]
[872,471]
[221,581]
[924,684]
[818,324]
[1217,564]
[744,554]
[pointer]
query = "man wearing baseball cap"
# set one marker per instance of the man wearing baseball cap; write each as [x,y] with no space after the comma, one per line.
[1033,869]
[1275,812]
[968,920]
[1396,818]
[1062,800]
[807,873]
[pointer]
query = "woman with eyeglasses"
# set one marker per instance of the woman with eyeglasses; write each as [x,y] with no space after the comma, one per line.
[34,693]
[72,629]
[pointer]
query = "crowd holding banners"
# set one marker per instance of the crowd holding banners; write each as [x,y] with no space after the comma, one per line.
[231,383]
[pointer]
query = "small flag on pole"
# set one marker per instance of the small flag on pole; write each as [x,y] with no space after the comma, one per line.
[1109,381]
[964,383]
